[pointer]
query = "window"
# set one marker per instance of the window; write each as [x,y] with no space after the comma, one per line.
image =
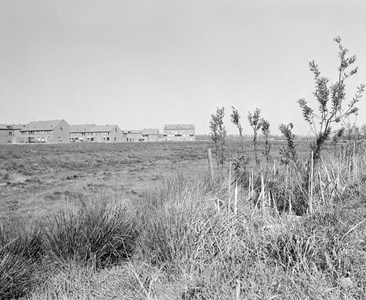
[10,133]
[116,129]
[107,138]
[115,139]
[60,139]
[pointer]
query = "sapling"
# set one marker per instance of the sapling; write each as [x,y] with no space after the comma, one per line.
[235,119]
[330,100]
[241,162]
[267,144]
[255,122]
[288,153]
[218,134]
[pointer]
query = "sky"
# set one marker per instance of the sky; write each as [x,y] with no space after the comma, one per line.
[146,63]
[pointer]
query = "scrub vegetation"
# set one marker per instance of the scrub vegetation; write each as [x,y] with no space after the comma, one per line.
[147,220]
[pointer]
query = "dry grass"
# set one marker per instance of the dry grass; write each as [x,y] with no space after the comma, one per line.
[201,240]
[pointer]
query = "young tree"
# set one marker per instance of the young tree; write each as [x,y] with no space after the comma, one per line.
[289,154]
[218,134]
[267,145]
[235,119]
[255,122]
[330,100]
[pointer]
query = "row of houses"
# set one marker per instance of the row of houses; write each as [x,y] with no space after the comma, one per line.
[59,131]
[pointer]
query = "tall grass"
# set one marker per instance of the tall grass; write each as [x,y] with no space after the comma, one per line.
[193,239]
[222,248]
[97,232]
[20,254]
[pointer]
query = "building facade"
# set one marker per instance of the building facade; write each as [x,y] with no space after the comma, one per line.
[132,136]
[10,133]
[179,132]
[95,133]
[150,134]
[55,131]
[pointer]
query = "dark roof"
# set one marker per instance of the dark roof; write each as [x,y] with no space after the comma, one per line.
[41,125]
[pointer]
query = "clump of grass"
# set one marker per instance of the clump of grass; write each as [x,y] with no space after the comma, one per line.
[99,232]
[175,221]
[320,243]
[20,254]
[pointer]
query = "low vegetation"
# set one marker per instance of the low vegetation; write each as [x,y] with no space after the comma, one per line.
[190,238]
[289,226]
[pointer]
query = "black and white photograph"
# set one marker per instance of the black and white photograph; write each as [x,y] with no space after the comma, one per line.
[182,149]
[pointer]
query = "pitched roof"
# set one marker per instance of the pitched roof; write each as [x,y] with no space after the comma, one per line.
[103,127]
[81,128]
[41,125]
[125,131]
[91,128]
[135,131]
[11,126]
[150,131]
[179,127]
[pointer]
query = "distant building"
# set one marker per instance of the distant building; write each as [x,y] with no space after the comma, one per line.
[95,133]
[132,136]
[10,133]
[150,135]
[56,131]
[179,132]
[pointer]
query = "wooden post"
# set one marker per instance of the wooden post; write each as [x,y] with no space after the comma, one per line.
[210,165]
[236,199]
[229,205]
[262,193]
[311,184]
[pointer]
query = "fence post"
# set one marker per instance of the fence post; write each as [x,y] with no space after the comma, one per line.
[311,183]
[210,165]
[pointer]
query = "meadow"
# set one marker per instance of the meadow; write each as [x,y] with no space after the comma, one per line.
[146,221]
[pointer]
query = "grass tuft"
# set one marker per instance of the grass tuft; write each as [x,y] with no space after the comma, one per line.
[98,232]
[20,253]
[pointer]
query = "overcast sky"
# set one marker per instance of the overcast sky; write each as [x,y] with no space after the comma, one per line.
[146,63]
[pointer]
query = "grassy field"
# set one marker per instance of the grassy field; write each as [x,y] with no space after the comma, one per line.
[145,221]
[37,179]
